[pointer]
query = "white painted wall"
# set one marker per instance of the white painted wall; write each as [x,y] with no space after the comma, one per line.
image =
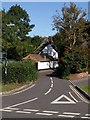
[50,51]
[47,65]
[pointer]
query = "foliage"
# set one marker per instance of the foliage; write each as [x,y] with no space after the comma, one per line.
[36,41]
[16,23]
[58,40]
[19,72]
[71,25]
[74,61]
[72,34]
[15,28]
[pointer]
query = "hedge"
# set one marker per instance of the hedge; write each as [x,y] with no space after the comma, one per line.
[19,72]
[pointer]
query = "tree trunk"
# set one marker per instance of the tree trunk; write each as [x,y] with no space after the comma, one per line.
[74,39]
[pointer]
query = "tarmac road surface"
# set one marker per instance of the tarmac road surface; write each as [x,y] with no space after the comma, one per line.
[49,97]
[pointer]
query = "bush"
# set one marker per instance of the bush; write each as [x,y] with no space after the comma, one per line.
[73,61]
[19,72]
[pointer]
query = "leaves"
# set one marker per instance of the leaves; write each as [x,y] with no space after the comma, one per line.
[71,24]
[72,32]
[15,28]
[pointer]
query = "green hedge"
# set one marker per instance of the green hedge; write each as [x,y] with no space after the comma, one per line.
[19,72]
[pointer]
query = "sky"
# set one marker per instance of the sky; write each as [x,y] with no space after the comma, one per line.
[41,13]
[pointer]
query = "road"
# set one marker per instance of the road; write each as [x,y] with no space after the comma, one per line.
[49,97]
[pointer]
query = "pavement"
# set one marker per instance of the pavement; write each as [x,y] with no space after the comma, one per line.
[49,97]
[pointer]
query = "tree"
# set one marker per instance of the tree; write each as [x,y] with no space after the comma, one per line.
[70,39]
[71,25]
[19,17]
[15,28]
[36,41]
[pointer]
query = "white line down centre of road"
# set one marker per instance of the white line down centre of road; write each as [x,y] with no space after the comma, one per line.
[50,86]
[68,100]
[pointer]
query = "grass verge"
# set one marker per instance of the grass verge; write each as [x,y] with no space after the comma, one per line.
[86,89]
[9,87]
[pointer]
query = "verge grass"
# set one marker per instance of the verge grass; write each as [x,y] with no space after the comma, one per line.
[86,89]
[9,87]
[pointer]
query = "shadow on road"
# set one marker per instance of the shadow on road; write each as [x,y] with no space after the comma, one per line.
[52,74]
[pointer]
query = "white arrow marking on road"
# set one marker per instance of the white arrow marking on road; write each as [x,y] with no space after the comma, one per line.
[57,101]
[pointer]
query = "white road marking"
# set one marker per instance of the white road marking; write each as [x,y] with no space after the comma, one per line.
[87,114]
[66,116]
[69,113]
[23,112]
[44,114]
[52,81]
[86,117]
[22,103]
[50,111]
[12,108]
[33,110]
[50,87]
[57,101]
[51,78]
[78,94]
[73,97]
[48,91]
[5,110]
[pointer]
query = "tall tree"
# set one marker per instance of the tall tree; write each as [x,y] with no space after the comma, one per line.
[15,28]
[71,24]
[20,19]
[72,28]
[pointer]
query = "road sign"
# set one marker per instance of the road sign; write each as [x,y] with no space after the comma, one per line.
[59,101]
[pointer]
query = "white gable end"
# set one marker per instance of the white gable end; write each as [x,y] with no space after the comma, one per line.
[50,51]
